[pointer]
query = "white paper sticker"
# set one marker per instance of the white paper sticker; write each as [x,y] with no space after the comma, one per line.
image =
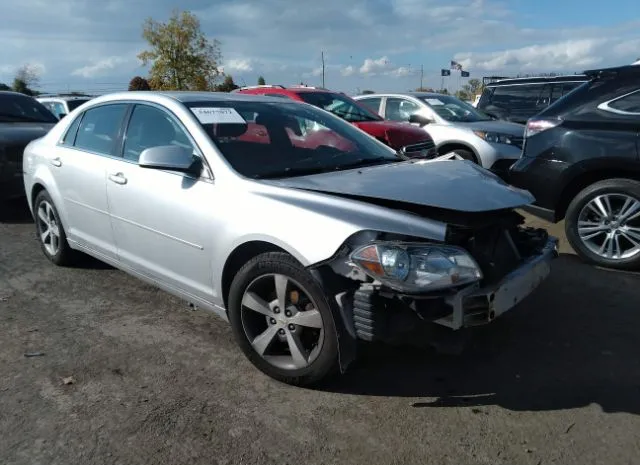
[216,115]
[434,101]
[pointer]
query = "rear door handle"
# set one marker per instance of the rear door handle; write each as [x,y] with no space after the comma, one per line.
[118,178]
[56,161]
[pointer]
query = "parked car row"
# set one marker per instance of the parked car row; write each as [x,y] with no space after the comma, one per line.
[309,222]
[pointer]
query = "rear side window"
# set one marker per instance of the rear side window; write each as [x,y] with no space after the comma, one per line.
[70,136]
[629,103]
[373,103]
[98,131]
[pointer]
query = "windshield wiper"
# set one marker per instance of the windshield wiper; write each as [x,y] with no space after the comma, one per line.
[360,162]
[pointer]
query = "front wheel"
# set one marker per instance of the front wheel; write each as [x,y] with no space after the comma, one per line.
[602,224]
[282,320]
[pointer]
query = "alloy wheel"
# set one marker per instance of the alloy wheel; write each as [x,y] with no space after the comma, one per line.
[282,322]
[609,226]
[48,228]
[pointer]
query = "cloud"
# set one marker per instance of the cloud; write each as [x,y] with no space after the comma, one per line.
[373,66]
[240,65]
[348,71]
[569,55]
[99,67]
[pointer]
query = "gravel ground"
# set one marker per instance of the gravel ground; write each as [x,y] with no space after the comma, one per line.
[129,375]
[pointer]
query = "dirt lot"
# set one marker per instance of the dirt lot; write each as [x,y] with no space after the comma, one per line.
[557,381]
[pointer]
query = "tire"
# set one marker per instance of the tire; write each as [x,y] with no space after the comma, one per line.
[62,255]
[258,271]
[616,192]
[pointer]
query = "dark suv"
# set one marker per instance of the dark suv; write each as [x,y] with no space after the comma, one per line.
[581,162]
[519,99]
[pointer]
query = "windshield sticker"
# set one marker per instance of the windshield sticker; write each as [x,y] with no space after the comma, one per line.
[216,115]
[434,101]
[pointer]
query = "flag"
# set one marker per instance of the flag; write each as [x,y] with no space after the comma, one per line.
[445,72]
[464,73]
[456,65]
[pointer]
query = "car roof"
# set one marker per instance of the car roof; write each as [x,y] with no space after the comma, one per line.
[404,94]
[63,97]
[539,80]
[185,96]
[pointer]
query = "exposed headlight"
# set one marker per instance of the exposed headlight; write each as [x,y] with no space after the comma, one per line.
[417,267]
[498,138]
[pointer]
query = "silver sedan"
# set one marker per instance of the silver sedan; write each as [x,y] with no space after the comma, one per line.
[302,231]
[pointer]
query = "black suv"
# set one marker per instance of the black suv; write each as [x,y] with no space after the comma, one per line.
[581,162]
[519,99]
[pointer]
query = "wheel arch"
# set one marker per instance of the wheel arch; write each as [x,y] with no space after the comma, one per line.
[241,255]
[585,179]
[457,145]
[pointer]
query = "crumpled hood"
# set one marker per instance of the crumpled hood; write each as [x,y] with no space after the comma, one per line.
[502,127]
[453,185]
[395,133]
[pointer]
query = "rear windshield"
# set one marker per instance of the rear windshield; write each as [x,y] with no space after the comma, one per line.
[16,108]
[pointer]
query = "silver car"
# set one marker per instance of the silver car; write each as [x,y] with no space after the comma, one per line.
[302,231]
[459,130]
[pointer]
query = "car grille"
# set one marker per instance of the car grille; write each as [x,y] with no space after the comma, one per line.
[425,149]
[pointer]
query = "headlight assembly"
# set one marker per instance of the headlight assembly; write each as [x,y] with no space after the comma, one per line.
[498,138]
[417,267]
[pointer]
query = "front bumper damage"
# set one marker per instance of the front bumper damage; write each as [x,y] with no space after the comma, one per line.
[477,305]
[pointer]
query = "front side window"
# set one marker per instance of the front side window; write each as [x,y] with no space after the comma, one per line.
[453,109]
[373,103]
[340,105]
[98,131]
[18,108]
[284,139]
[151,127]
[629,103]
[398,109]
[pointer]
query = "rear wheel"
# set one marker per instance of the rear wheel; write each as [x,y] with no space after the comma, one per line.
[51,233]
[282,320]
[603,224]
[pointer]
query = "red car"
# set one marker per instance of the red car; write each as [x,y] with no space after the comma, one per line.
[394,134]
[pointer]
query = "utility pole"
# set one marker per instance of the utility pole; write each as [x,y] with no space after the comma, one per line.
[322,55]
[421,76]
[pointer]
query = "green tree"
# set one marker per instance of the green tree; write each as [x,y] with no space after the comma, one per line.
[181,55]
[473,88]
[227,85]
[261,81]
[3,86]
[366,92]
[27,78]
[424,89]
[139,83]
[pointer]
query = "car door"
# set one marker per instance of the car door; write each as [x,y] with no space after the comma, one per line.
[161,219]
[79,168]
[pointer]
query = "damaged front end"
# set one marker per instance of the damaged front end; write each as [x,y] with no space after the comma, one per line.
[402,289]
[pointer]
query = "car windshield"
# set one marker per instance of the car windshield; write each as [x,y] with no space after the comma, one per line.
[340,105]
[75,103]
[453,109]
[15,108]
[285,139]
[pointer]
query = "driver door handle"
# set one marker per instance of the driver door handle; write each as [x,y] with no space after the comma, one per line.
[56,161]
[118,178]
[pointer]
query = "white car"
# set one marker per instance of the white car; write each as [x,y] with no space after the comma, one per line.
[62,105]
[459,131]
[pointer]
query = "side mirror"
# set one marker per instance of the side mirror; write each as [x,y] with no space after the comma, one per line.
[170,157]
[61,115]
[419,119]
